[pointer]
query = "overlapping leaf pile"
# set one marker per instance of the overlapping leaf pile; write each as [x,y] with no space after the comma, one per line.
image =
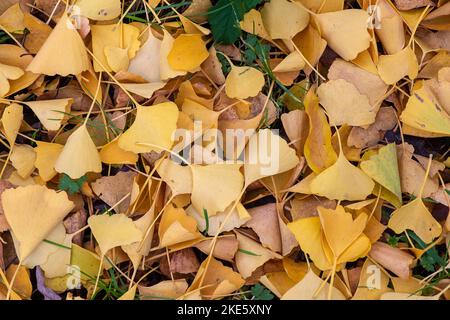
[98,201]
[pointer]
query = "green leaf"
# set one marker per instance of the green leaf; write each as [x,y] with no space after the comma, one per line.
[261,293]
[71,185]
[225,16]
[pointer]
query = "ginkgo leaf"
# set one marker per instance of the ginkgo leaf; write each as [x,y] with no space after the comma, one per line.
[115,190]
[166,71]
[111,153]
[171,289]
[79,155]
[153,126]
[293,62]
[216,186]
[146,61]
[251,255]
[51,113]
[253,23]
[393,68]
[41,253]
[416,217]
[113,231]
[214,280]
[176,227]
[22,158]
[33,212]
[122,36]
[53,58]
[99,10]
[342,181]
[135,250]
[368,289]
[345,105]
[222,221]
[295,18]
[267,154]
[423,113]
[187,53]
[345,31]
[318,150]
[198,112]
[117,58]
[145,90]
[57,262]
[383,168]
[340,229]
[244,82]
[11,120]
[179,178]
[306,288]
[8,73]
[308,233]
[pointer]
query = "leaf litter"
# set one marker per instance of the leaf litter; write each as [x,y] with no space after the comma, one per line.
[119,181]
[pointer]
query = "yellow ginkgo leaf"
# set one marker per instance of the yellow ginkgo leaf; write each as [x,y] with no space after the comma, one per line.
[198,112]
[171,289]
[22,158]
[153,126]
[176,227]
[345,31]
[79,155]
[251,255]
[243,82]
[130,294]
[394,67]
[122,36]
[54,58]
[423,113]
[41,253]
[222,221]
[188,52]
[416,217]
[57,262]
[368,289]
[214,280]
[166,71]
[267,154]
[135,250]
[191,27]
[340,230]
[145,90]
[146,61]
[87,261]
[252,23]
[345,105]
[100,10]
[295,18]
[342,181]
[383,168]
[318,150]
[8,72]
[33,212]
[117,58]
[179,178]
[307,287]
[215,186]
[50,112]
[111,153]
[293,62]
[22,283]
[308,233]
[12,120]
[113,231]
